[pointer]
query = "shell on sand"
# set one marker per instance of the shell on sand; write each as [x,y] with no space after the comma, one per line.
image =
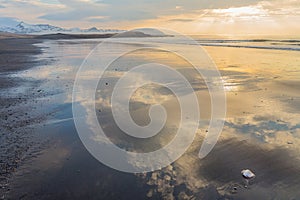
[247,174]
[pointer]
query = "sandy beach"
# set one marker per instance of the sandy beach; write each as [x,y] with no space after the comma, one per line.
[149,100]
[42,156]
[17,97]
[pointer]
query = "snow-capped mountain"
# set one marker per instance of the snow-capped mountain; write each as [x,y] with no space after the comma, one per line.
[24,28]
[38,28]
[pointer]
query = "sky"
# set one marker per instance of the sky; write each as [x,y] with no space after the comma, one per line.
[185,16]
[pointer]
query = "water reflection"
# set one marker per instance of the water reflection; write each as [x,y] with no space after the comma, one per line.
[262,129]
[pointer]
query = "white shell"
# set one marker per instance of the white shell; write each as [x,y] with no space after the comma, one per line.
[247,173]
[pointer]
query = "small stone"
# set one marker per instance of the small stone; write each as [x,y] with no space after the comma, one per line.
[167,178]
[170,167]
[150,194]
[154,176]
[247,174]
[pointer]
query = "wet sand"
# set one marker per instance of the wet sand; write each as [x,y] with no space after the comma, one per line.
[256,136]
[40,161]
[22,101]
[18,106]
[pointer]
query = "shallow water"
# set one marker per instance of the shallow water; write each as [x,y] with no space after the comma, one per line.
[261,131]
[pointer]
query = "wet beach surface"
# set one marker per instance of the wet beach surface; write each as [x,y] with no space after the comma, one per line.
[261,131]
[19,106]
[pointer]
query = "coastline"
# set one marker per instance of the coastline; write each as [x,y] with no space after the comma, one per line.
[254,136]
[17,101]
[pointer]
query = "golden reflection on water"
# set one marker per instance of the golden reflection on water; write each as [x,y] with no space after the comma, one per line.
[263,109]
[260,84]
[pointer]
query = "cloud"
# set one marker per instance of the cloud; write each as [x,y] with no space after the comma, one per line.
[50,1]
[97,13]
[174,14]
[27,10]
[70,15]
[8,21]
[87,9]
[132,10]
[181,20]
[96,19]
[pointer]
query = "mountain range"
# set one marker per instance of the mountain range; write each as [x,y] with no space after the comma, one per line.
[25,28]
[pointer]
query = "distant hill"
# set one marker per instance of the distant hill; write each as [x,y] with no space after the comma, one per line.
[59,36]
[25,28]
[133,34]
[12,28]
[90,36]
[4,35]
[150,31]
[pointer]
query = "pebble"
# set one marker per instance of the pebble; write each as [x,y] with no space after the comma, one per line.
[247,174]
[154,176]
[167,178]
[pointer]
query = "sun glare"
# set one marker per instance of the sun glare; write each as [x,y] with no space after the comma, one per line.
[241,11]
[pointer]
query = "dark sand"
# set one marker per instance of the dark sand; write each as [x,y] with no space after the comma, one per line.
[28,158]
[21,111]
[18,96]
[17,105]
[272,167]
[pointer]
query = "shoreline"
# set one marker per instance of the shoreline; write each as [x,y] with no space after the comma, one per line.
[17,99]
[17,54]
[252,138]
